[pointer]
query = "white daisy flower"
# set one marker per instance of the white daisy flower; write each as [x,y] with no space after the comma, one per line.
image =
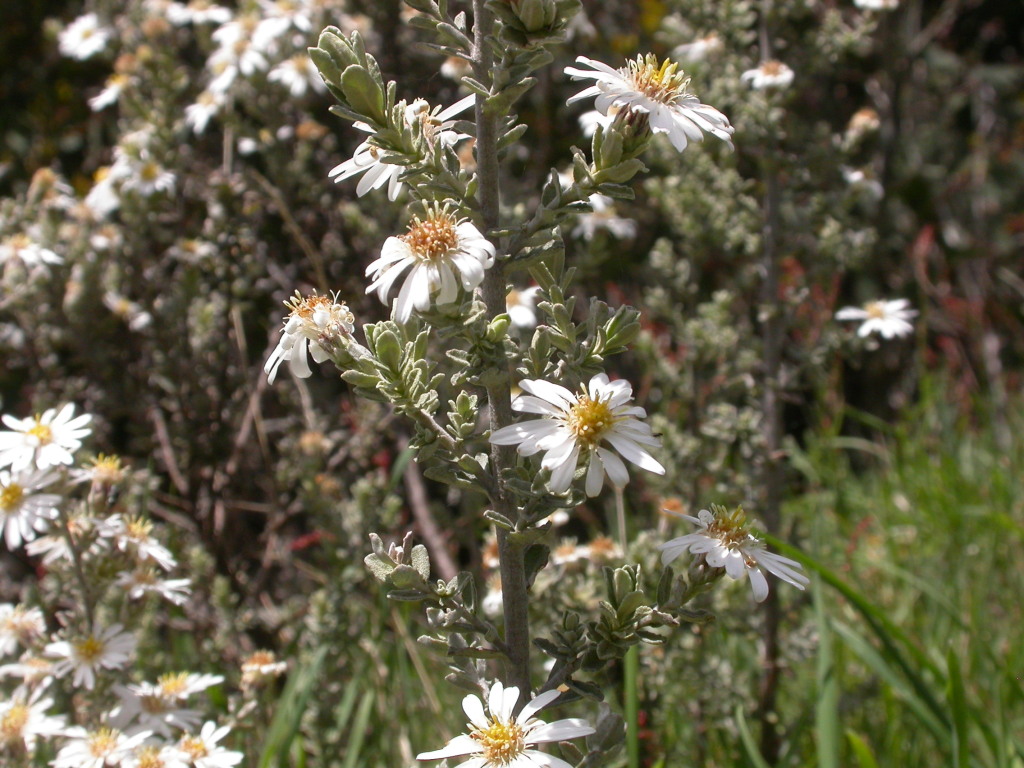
[110,648]
[261,666]
[144,581]
[699,49]
[111,92]
[33,671]
[178,686]
[204,751]
[499,739]
[144,707]
[769,74]
[23,720]
[133,535]
[207,105]
[877,5]
[520,307]
[298,74]
[603,218]
[103,748]
[436,125]
[197,12]
[103,198]
[725,542]
[439,252]
[84,37]
[660,91]
[47,440]
[314,325]
[23,513]
[27,251]
[591,119]
[149,177]
[889,318]
[575,426]
[156,756]
[19,625]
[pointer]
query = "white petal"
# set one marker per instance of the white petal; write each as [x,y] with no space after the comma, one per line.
[460,745]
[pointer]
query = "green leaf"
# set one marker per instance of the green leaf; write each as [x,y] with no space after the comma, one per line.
[363,94]
[958,705]
[290,708]
[826,714]
[865,759]
[747,739]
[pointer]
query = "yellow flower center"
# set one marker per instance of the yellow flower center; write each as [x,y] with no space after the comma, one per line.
[434,238]
[103,742]
[875,310]
[664,83]
[500,742]
[772,68]
[589,420]
[260,659]
[173,683]
[149,757]
[150,171]
[41,432]
[730,528]
[11,496]
[89,649]
[137,529]
[194,747]
[107,470]
[12,724]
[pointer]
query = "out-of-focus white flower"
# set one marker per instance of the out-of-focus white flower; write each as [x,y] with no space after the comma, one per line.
[725,542]
[197,12]
[439,252]
[148,178]
[520,307]
[111,92]
[436,126]
[86,656]
[136,317]
[569,552]
[19,625]
[48,440]
[889,318]
[27,251]
[203,750]
[102,748]
[590,119]
[603,218]
[230,60]
[298,74]
[492,604]
[864,182]
[104,198]
[144,707]
[24,720]
[862,122]
[207,105]
[455,68]
[501,739]
[769,74]
[575,426]
[84,37]
[134,536]
[143,581]
[603,550]
[699,50]
[156,756]
[877,5]
[33,671]
[315,325]
[660,90]
[261,666]
[23,512]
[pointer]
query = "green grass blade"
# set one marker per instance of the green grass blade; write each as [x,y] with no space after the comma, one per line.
[285,725]
[358,733]
[958,705]
[861,750]
[749,745]
[826,711]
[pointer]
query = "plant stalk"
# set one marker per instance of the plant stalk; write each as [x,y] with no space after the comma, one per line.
[499,403]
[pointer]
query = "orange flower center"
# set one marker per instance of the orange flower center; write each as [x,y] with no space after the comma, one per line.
[434,238]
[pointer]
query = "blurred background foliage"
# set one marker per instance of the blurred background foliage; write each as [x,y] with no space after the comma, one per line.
[896,168]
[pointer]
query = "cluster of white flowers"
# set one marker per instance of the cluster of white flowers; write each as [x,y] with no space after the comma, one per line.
[144,724]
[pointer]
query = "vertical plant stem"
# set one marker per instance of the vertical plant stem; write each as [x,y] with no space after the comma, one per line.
[631,662]
[773,330]
[499,405]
